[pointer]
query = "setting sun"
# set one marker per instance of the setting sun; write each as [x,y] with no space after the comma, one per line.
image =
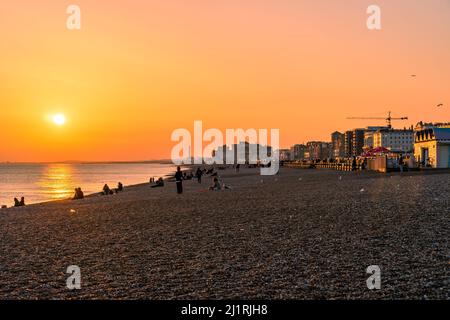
[59,119]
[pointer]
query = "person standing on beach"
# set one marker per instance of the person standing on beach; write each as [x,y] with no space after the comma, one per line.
[199,174]
[179,180]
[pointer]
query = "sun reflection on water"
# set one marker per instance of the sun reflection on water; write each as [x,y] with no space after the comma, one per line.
[57,181]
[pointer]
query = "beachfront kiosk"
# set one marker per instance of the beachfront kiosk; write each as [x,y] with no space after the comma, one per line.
[432,146]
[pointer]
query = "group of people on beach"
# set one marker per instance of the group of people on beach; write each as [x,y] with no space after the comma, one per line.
[79,194]
[108,191]
[20,203]
[179,177]
[216,185]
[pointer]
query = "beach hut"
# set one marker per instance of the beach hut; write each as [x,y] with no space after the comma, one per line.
[432,147]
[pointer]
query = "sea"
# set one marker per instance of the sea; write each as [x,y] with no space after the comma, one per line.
[56,181]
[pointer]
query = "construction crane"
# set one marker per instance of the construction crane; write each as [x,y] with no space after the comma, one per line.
[388,119]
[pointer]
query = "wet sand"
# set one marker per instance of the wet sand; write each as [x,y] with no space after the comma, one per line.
[304,234]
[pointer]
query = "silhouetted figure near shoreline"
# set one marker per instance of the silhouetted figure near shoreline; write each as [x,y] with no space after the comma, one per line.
[119,187]
[159,183]
[78,194]
[179,180]
[20,203]
[107,190]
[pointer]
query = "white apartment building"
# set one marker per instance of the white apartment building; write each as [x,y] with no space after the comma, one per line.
[394,140]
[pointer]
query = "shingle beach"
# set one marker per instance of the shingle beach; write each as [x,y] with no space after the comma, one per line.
[303,234]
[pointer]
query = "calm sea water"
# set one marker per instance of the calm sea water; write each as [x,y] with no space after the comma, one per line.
[46,182]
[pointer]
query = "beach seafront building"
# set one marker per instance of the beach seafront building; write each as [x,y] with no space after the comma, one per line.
[318,150]
[348,144]
[394,140]
[259,153]
[297,152]
[337,145]
[358,140]
[285,154]
[432,145]
[369,133]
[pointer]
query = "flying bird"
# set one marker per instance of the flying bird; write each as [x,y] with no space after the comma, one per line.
[413,76]
[440,105]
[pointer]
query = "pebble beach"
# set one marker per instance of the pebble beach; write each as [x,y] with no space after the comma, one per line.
[302,234]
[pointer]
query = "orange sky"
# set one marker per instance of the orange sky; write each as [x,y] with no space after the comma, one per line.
[137,70]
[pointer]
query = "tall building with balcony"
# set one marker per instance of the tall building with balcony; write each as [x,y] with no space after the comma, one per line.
[337,145]
[348,144]
[358,142]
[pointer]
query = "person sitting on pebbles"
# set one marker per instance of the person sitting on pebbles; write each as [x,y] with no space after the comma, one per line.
[216,185]
[78,194]
[159,183]
[107,190]
[20,203]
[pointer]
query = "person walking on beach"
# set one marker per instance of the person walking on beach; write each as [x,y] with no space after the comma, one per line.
[179,180]
[199,174]
[401,163]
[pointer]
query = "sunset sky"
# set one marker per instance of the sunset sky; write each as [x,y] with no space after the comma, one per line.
[137,70]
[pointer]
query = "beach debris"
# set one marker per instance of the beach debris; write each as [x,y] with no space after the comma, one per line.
[362,190]
[300,179]
[73,211]
[340,178]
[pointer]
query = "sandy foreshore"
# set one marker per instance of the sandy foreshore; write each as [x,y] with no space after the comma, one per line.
[303,234]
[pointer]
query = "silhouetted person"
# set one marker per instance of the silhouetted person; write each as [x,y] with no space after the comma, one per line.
[179,180]
[401,163]
[159,183]
[199,174]
[107,190]
[78,194]
[119,187]
[16,202]
[216,185]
